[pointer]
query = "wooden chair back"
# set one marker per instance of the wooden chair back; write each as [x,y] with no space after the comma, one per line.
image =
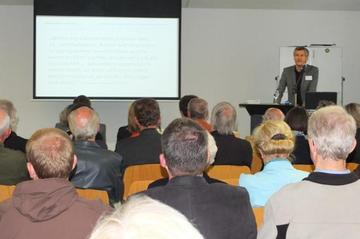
[352,166]
[227,173]
[259,216]
[305,167]
[93,194]
[138,177]
[6,192]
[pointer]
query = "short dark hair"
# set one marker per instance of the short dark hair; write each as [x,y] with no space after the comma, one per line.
[301,48]
[297,118]
[147,112]
[183,104]
[185,147]
[82,99]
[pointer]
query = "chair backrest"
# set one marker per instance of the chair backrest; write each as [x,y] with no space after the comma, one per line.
[305,167]
[352,166]
[259,216]
[227,173]
[93,194]
[6,192]
[138,177]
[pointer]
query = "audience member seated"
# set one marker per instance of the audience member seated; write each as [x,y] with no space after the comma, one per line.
[130,130]
[297,119]
[273,114]
[144,218]
[13,141]
[275,142]
[324,103]
[97,168]
[183,104]
[12,162]
[217,210]
[212,152]
[231,150]
[354,110]
[146,147]
[325,204]
[198,110]
[48,206]
[78,102]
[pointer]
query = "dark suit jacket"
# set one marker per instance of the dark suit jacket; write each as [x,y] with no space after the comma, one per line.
[354,156]
[163,181]
[218,211]
[301,151]
[143,149]
[288,79]
[15,142]
[232,150]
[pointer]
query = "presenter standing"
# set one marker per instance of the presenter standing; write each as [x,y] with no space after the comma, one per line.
[299,78]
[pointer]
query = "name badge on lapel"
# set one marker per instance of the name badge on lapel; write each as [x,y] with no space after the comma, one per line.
[308,77]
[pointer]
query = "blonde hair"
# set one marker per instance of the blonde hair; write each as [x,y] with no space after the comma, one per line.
[142,217]
[51,153]
[354,110]
[333,131]
[274,137]
[132,126]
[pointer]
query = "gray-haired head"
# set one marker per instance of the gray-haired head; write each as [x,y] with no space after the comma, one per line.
[84,123]
[10,109]
[4,124]
[332,130]
[223,118]
[198,109]
[142,217]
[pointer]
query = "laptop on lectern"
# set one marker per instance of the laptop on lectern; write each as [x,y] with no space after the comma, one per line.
[312,99]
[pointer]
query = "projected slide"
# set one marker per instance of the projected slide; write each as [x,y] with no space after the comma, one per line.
[104,57]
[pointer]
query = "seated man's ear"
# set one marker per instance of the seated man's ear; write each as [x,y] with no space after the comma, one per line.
[162,161]
[31,171]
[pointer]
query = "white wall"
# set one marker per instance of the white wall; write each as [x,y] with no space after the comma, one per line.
[228,55]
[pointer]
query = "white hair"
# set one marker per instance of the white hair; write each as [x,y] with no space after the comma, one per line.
[10,109]
[223,118]
[333,131]
[142,217]
[4,121]
[84,123]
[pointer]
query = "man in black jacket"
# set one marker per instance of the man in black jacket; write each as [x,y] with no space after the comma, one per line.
[217,210]
[97,168]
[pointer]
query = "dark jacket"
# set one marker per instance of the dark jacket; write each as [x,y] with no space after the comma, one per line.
[12,166]
[98,168]
[354,157]
[48,208]
[217,210]
[15,142]
[301,151]
[164,181]
[143,149]
[232,150]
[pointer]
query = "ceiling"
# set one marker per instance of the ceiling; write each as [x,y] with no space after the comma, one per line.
[327,5]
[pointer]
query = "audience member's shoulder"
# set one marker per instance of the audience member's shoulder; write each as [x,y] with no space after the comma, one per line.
[5,206]
[16,154]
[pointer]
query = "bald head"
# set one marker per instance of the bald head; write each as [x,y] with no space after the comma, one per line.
[84,123]
[273,114]
[4,125]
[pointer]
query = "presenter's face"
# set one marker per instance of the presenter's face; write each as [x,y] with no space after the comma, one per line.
[300,58]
